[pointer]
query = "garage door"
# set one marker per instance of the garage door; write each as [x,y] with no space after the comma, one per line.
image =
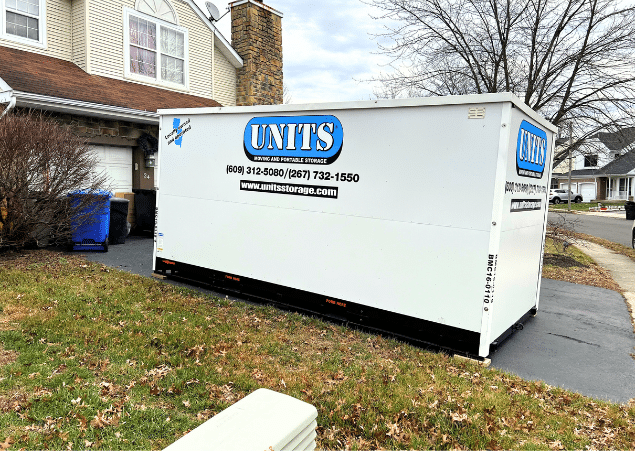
[116,164]
[588,191]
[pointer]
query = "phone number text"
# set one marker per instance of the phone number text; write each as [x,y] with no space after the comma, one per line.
[291,174]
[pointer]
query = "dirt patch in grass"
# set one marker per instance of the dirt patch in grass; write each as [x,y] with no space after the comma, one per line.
[14,402]
[7,357]
[563,261]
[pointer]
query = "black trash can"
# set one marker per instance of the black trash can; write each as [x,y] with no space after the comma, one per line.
[119,226]
[145,201]
[630,209]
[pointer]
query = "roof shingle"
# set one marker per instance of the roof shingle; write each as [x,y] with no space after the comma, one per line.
[44,75]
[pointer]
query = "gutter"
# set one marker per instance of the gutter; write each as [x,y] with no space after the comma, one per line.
[38,101]
[12,103]
[7,96]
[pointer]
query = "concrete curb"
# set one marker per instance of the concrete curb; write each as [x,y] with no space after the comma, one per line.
[606,214]
[630,303]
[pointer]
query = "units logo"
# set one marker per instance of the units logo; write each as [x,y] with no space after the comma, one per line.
[294,139]
[178,130]
[531,151]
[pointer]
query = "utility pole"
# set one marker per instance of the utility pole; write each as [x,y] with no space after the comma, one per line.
[570,164]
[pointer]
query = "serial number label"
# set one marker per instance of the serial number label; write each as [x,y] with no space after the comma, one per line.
[490,278]
[331,301]
[291,174]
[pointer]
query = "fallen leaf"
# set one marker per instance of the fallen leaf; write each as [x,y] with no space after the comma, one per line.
[393,429]
[7,443]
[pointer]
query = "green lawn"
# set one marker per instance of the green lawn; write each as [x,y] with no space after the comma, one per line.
[584,206]
[97,358]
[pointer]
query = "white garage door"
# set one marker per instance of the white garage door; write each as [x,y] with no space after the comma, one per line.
[588,191]
[116,163]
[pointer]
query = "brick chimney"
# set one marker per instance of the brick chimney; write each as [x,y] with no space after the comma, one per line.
[257,38]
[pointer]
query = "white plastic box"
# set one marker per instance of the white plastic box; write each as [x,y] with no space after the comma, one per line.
[424,218]
[264,420]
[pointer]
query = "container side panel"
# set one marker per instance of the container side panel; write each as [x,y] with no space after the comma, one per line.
[403,225]
[524,212]
[409,164]
[395,266]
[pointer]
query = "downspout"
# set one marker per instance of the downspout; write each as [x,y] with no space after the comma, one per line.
[10,106]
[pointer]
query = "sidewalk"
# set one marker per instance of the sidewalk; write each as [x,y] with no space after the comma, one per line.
[621,268]
[607,214]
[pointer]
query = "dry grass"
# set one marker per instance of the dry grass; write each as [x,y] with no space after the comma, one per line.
[110,360]
[574,266]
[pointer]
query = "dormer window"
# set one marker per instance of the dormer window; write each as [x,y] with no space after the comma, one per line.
[23,21]
[155,50]
[590,161]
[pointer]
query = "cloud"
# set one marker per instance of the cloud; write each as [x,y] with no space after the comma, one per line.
[327,48]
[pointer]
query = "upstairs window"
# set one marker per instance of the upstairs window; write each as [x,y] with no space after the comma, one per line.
[143,47]
[590,161]
[23,21]
[155,50]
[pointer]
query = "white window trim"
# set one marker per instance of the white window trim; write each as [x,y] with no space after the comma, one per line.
[40,43]
[126,52]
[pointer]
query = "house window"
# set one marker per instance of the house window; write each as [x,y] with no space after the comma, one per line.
[156,50]
[173,58]
[590,161]
[143,47]
[23,21]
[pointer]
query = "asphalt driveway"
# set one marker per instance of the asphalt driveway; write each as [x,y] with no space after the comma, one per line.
[581,339]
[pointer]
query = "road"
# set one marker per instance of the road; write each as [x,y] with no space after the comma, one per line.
[612,229]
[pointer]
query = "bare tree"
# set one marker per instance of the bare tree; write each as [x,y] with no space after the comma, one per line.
[42,162]
[287,97]
[570,60]
[561,229]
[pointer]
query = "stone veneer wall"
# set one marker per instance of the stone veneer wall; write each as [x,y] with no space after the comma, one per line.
[257,38]
[95,128]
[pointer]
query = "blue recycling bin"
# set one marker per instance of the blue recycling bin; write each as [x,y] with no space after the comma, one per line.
[91,220]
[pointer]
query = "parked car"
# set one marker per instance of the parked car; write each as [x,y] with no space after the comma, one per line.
[633,235]
[557,196]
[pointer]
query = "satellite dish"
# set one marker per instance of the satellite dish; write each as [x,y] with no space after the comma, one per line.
[213,11]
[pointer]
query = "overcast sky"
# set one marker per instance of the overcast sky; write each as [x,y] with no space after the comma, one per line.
[326,46]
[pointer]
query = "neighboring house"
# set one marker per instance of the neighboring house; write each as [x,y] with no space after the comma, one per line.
[603,169]
[104,67]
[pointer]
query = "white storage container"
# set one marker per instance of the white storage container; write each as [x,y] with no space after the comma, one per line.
[421,217]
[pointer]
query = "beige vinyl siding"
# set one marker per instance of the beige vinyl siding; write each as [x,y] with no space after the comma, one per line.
[78,17]
[107,58]
[224,80]
[200,50]
[105,23]
[58,32]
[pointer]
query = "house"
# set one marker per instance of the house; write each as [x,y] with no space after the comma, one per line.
[602,169]
[104,68]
